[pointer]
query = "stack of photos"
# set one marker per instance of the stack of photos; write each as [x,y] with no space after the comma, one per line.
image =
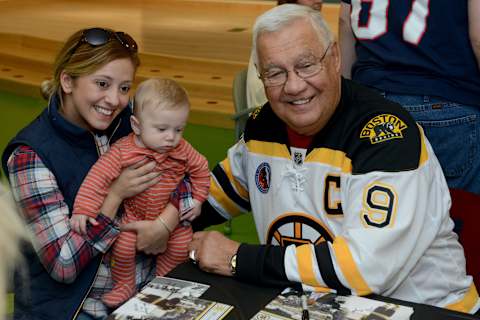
[169,298]
[329,306]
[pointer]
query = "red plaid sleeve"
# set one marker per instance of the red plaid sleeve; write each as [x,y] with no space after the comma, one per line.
[62,252]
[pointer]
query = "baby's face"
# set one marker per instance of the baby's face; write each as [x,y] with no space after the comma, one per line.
[162,129]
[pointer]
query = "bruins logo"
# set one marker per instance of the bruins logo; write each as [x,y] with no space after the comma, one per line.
[297,229]
[382,128]
[255,112]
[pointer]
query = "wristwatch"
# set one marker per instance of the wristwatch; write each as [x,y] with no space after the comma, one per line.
[233,264]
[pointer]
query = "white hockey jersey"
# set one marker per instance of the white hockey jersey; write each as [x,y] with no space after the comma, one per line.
[365,209]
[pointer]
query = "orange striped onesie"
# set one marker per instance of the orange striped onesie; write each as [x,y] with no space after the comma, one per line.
[145,206]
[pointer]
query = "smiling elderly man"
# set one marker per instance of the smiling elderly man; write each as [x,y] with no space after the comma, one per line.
[346,192]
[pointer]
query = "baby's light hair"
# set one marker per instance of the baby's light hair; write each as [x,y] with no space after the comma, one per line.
[159,92]
[283,16]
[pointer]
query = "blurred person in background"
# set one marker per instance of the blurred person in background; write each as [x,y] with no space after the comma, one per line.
[424,55]
[12,234]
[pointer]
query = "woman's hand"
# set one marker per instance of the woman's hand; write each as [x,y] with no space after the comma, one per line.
[135,179]
[194,212]
[152,236]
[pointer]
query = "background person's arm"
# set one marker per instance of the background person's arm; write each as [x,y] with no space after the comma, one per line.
[474,27]
[346,40]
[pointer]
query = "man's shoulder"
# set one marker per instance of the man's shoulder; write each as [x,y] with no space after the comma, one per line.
[378,134]
[264,125]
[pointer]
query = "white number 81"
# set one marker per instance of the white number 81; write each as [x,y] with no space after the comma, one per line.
[414,26]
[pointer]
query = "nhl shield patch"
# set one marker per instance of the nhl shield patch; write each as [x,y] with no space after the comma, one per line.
[262,177]
[382,128]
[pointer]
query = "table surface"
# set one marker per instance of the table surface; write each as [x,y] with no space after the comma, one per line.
[248,299]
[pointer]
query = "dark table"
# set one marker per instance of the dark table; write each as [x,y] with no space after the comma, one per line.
[248,299]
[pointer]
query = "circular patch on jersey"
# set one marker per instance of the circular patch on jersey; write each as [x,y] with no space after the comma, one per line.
[297,229]
[262,177]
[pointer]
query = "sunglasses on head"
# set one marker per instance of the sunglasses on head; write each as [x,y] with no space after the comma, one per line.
[99,36]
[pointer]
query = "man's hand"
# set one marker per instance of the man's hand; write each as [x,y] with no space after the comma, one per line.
[213,251]
[152,236]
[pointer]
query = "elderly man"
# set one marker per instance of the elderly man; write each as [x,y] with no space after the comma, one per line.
[255,89]
[346,192]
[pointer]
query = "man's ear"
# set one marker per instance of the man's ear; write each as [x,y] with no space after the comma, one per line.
[66,82]
[336,56]
[135,124]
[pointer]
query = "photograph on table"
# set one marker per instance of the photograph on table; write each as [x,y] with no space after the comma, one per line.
[325,306]
[170,298]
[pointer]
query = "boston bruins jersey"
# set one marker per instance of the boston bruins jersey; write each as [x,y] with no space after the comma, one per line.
[365,209]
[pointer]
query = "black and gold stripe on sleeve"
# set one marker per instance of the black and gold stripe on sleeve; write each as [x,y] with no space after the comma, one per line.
[223,191]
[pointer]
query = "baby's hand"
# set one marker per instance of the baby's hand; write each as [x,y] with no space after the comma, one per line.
[192,213]
[78,223]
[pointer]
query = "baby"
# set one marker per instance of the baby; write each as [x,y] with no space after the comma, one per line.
[160,113]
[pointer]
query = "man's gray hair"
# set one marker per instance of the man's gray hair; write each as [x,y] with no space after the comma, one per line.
[281,16]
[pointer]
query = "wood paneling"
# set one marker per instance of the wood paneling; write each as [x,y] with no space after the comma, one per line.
[200,43]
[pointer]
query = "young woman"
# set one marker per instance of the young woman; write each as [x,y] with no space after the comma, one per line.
[46,164]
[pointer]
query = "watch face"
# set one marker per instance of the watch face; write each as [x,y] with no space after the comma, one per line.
[233,264]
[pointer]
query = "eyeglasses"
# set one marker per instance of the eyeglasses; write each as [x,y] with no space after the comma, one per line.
[99,36]
[277,77]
